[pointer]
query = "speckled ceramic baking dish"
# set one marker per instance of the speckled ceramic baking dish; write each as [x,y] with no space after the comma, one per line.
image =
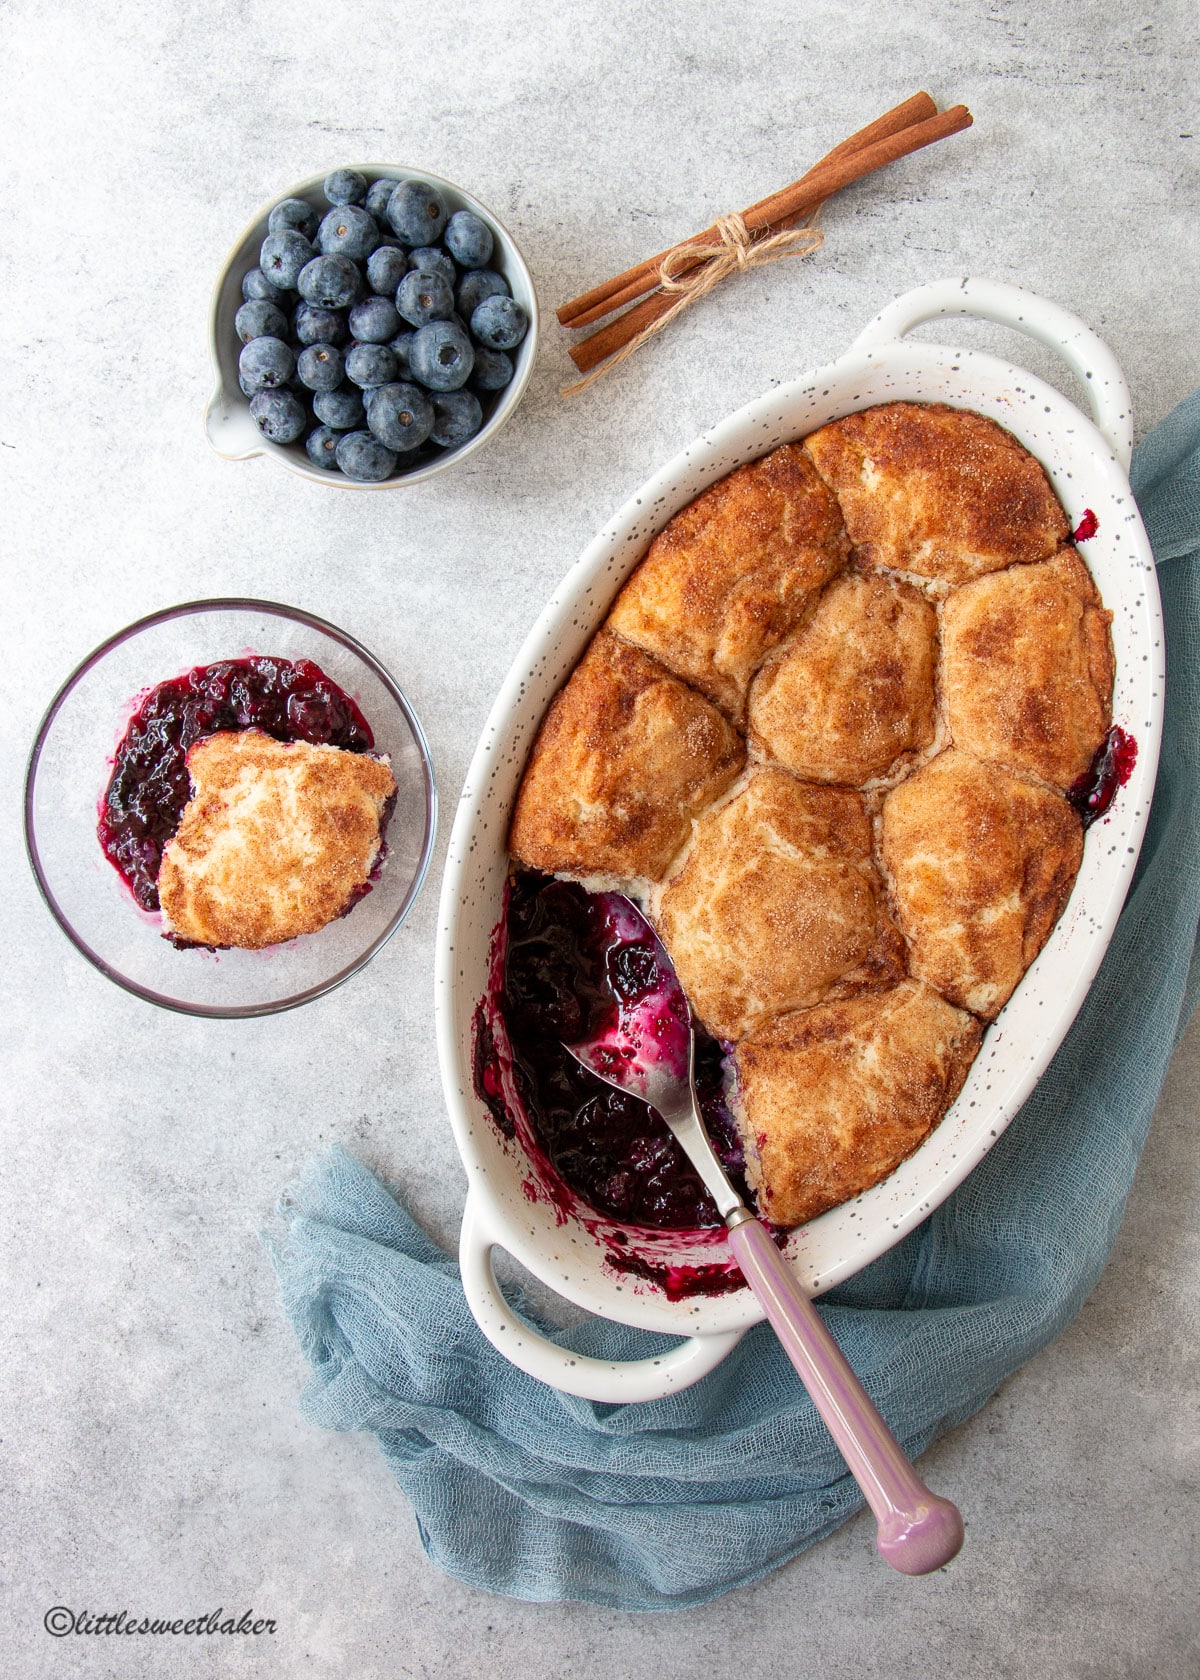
[1087,460]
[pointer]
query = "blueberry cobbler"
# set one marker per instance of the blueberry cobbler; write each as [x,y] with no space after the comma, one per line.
[246,803]
[840,737]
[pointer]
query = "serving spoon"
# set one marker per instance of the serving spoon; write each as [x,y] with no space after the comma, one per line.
[649,1052]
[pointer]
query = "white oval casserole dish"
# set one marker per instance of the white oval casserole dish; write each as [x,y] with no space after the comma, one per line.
[1087,461]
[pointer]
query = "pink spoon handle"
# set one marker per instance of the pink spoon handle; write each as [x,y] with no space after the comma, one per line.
[918,1532]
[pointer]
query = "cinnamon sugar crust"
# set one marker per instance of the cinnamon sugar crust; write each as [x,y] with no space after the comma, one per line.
[938,492]
[1028,668]
[777,905]
[834,1098]
[852,691]
[980,866]
[626,757]
[851,944]
[733,572]
[277,839]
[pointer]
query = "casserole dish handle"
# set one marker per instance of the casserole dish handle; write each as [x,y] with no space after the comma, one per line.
[614,1381]
[1088,357]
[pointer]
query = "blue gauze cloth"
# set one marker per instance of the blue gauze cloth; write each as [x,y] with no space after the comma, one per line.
[528,1492]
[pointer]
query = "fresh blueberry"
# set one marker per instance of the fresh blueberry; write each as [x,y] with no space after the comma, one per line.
[265,364]
[417,213]
[322,447]
[499,323]
[342,410]
[422,298]
[369,364]
[377,197]
[493,369]
[401,348]
[441,356]
[386,267]
[330,282]
[364,457]
[468,240]
[320,367]
[431,259]
[260,318]
[347,231]
[374,320]
[479,284]
[345,186]
[283,255]
[293,213]
[457,416]
[278,415]
[256,285]
[399,415]
[314,325]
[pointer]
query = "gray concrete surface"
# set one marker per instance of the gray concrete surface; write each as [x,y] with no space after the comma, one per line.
[152,1452]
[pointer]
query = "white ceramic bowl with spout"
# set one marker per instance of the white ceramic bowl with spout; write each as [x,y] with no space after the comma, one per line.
[228,421]
[1087,459]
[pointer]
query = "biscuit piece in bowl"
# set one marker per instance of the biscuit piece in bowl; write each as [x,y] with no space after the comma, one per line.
[278,839]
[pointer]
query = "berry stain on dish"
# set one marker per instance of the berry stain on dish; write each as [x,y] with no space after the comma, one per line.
[1110,769]
[1087,527]
[150,787]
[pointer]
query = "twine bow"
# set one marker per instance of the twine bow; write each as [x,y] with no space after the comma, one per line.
[736,249]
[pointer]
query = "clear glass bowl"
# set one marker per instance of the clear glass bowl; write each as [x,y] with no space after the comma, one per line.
[68,773]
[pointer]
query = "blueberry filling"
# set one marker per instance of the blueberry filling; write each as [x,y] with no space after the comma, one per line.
[149,787]
[1111,767]
[570,964]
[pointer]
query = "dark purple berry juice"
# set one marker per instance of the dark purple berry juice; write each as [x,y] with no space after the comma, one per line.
[1110,769]
[149,787]
[573,960]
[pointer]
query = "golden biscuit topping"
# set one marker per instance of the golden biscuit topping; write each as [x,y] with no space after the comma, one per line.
[852,691]
[832,1099]
[899,848]
[734,572]
[938,492]
[980,865]
[777,906]
[278,839]
[1027,668]
[626,757]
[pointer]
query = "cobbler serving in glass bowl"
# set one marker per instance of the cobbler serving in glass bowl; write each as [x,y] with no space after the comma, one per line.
[230,807]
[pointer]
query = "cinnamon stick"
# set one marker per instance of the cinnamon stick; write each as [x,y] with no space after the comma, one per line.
[828,177]
[643,276]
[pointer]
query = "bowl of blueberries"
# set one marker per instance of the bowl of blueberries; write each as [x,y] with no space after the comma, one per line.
[370,328]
